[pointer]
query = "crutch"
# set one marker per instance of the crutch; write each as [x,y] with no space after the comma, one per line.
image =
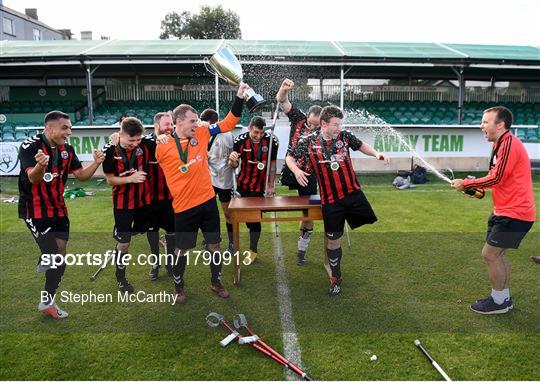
[269,159]
[240,321]
[214,319]
[101,267]
[348,235]
[235,194]
[432,361]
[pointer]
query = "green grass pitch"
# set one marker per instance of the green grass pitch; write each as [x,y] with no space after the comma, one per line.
[411,275]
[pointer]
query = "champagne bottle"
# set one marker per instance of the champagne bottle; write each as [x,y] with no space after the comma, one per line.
[475,193]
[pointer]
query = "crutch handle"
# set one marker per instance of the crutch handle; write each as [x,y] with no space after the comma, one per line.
[214,319]
[240,321]
[227,340]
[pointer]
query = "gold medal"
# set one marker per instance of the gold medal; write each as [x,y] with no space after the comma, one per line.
[183,169]
[260,166]
[334,166]
[48,177]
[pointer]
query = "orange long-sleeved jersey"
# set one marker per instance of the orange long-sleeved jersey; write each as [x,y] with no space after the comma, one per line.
[194,187]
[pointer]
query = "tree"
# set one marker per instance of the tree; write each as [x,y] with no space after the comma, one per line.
[209,23]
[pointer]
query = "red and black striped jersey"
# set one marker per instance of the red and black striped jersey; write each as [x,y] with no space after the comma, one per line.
[119,162]
[331,163]
[253,160]
[299,129]
[45,199]
[156,177]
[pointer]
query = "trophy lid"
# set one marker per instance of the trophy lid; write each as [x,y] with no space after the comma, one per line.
[226,65]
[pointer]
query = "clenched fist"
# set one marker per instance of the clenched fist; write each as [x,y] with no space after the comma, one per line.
[287,84]
[42,159]
[99,157]
[233,158]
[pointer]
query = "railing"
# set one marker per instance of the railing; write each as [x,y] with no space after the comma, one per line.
[330,93]
[167,93]
[419,93]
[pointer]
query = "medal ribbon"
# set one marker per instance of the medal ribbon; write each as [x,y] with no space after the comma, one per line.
[55,157]
[127,164]
[328,154]
[259,152]
[183,153]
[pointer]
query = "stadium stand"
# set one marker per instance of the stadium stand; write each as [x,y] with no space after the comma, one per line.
[393,112]
[109,112]
[134,64]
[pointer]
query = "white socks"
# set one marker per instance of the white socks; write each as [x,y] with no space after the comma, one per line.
[499,296]
[303,244]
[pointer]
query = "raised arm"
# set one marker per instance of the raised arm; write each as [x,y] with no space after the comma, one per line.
[282,95]
[232,118]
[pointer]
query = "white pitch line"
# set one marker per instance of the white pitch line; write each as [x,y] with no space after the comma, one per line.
[291,347]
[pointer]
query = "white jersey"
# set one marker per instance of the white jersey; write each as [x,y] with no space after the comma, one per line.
[218,161]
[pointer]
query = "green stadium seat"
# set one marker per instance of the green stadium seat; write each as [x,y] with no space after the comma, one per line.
[8,129]
[8,137]
[20,136]
[31,133]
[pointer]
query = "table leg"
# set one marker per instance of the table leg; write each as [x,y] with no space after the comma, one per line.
[237,258]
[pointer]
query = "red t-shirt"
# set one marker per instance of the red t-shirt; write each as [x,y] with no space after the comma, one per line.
[510,178]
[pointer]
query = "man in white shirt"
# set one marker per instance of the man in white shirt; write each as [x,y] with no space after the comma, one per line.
[219,149]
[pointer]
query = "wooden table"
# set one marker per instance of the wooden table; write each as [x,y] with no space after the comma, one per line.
[252,210]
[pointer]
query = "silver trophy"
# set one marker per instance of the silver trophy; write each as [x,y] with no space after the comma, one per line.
[226,65]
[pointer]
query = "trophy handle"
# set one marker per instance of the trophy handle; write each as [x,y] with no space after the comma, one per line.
[208,67]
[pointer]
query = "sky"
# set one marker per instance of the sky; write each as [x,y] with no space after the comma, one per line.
[499,22]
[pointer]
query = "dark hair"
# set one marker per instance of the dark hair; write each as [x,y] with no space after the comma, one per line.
[181,110]
[209,115]
[55,115]
[503,115]
[329,112]
[315,110]
[257,122]
[132,126]
[122,117]
[160,115]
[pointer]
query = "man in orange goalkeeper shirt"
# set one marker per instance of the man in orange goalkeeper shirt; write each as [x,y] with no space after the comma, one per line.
[183,159]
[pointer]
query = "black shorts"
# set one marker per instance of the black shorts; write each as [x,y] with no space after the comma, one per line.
[46,230]
[288,179]
[162,216]
[505,232]
[224,196]
[130,222]
[187,223]
[354,208]
[247,193]
[310,189]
